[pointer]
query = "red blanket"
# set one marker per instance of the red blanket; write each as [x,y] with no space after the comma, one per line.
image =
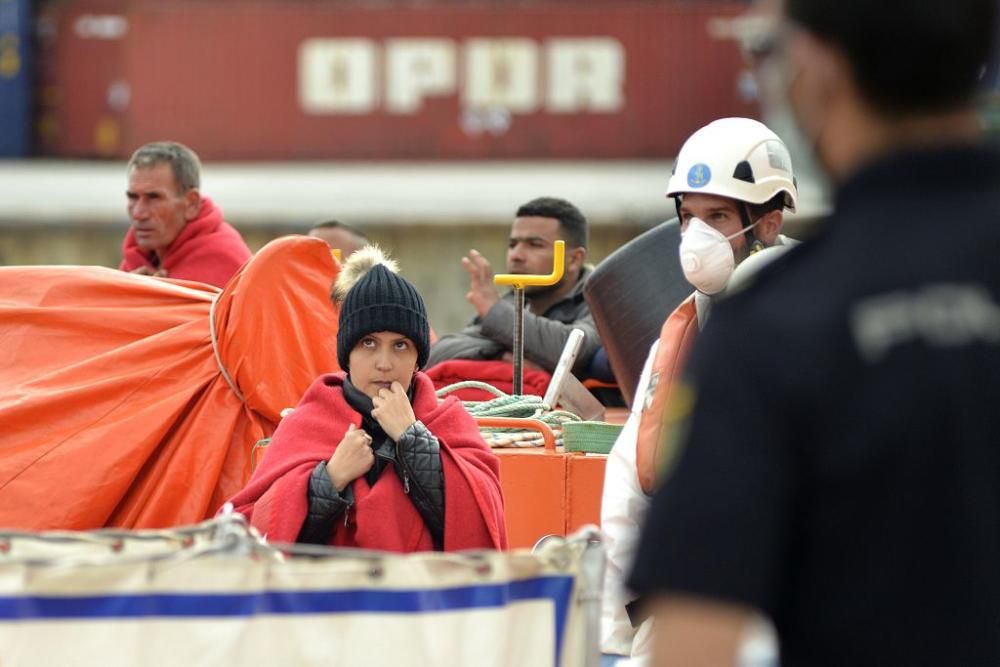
[500,374]
[208,249]
[382,517]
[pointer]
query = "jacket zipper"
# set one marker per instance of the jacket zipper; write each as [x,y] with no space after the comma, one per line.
[419,489]
[399,460]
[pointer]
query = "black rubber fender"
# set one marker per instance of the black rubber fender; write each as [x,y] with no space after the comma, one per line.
[631,293]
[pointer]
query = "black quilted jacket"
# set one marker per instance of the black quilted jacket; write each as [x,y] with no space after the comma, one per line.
[416,459]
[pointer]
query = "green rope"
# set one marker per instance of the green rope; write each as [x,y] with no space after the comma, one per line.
[525,406]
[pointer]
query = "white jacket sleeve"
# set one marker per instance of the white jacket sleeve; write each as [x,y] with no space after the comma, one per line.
[623,507]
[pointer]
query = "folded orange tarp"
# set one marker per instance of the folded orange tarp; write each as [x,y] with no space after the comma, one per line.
[114,405]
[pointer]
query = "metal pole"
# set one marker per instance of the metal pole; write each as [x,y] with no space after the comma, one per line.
[518,281]
[518,340]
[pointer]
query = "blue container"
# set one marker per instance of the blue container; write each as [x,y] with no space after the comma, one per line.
[15,78]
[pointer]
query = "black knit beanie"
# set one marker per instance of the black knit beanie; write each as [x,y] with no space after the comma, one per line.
[382,301]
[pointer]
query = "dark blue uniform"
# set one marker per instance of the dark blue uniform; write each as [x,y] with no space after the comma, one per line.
[840,467]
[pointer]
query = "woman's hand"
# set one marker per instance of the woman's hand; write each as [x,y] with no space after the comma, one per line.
[352,458]
[393,411]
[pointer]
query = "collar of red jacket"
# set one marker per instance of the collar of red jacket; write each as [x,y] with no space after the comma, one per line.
[208,220]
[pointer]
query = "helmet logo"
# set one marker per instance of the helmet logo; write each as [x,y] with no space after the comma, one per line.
[699,175]
[777,156]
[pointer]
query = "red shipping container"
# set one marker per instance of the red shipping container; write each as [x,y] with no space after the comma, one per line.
[305,80]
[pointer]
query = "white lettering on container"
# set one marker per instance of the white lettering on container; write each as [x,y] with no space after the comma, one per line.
[494,76]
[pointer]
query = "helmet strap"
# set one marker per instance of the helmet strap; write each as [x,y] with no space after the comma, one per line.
[753,243]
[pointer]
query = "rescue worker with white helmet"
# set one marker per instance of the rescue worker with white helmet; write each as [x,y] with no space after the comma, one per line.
[741,161]
[731,183]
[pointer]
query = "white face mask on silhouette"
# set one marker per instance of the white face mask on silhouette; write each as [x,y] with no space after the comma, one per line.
[706,256]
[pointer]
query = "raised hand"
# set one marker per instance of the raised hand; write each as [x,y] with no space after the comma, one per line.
[393,411]
[482,292]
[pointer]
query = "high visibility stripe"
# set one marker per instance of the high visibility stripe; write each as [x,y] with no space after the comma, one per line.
[558,589]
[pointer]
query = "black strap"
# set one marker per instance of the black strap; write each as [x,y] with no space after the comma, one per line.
[637,611]
[747,229]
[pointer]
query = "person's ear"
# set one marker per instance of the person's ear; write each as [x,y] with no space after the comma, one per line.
[823,77]
[769,227]
[575,258]
[192,204]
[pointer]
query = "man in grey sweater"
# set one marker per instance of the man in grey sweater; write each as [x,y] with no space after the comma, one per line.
[552,311]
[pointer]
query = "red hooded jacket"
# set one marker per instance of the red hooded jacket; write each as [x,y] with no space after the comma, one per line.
[208,249]
[382,517]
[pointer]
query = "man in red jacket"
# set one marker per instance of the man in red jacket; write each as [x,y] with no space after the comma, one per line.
[176,232]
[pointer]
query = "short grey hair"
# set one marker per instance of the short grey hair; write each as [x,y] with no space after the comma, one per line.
[183,162]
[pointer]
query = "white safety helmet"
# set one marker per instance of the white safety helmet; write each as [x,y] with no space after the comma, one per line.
[739,158]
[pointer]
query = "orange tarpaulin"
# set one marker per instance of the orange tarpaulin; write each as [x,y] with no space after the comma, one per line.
[114,408]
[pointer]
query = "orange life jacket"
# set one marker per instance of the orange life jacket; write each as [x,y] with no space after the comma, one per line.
[676,337]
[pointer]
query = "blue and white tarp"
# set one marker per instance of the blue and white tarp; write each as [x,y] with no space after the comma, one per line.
[202,600]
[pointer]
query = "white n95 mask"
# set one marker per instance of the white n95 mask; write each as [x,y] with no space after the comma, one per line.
[706,256]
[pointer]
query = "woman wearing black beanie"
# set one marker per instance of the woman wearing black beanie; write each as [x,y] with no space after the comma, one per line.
[369,458]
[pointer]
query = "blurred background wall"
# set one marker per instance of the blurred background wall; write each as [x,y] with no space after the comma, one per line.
[425,122]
